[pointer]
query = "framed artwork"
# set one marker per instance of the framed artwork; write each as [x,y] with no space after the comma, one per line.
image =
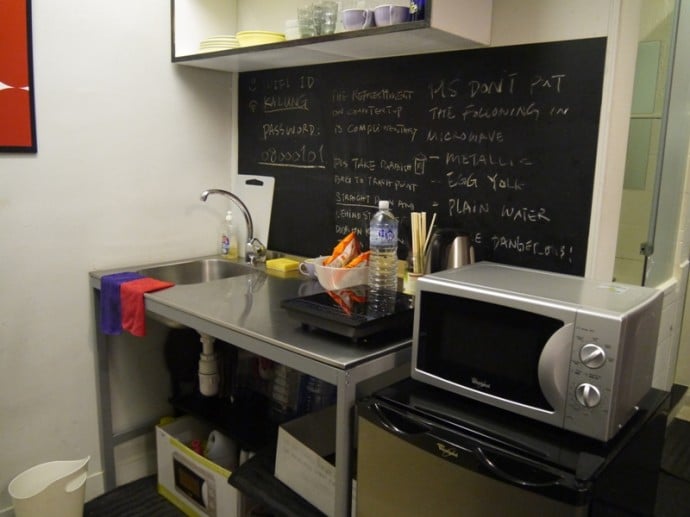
[17,113]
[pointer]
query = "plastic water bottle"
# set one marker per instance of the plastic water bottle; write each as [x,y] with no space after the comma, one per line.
[383,245]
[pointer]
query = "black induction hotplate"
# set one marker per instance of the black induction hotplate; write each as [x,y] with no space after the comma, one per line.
[352,312]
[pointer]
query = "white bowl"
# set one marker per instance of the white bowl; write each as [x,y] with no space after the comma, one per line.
[332,278]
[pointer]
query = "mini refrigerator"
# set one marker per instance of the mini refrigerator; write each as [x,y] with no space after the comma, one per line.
[423,451]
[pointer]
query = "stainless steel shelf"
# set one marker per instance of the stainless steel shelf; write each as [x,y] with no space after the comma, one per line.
[396,40]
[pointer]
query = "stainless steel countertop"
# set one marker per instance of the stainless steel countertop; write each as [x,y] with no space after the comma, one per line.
[245,310]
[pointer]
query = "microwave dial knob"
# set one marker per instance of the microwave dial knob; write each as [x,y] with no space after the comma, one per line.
[592,356]
[587,394]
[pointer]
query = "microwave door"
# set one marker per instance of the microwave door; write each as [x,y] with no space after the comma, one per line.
[494,354]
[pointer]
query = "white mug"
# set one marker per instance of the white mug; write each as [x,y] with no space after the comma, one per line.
[309,287]
[307,267]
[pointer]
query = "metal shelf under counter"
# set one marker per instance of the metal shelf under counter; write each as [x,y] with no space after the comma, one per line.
[245,312]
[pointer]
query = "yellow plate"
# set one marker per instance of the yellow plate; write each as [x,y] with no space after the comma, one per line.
[248,38]
[260,33]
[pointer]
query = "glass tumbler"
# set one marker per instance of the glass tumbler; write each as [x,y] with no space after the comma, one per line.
[305,21]
[329,16]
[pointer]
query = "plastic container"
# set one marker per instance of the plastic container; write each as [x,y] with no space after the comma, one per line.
[383,245]
[228,238]
[54,489]
[334,278]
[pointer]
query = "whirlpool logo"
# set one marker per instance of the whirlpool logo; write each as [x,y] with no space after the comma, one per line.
[480,384]
[447,451]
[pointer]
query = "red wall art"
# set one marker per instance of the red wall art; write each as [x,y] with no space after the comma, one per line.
[17,117]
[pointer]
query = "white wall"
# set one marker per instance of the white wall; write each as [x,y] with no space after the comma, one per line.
[126,143]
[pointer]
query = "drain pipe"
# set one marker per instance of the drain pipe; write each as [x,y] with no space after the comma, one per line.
[209,379]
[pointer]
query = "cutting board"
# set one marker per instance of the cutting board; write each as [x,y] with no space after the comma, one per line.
[257,194]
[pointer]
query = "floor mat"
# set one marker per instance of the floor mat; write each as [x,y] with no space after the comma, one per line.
[676,457]
[136,499]
[672,497]
[141,499]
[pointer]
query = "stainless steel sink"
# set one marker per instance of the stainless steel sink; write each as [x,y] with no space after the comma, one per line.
[200,270]
[197,271]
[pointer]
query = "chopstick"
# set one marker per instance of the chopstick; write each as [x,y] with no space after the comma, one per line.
[428,237]
[414,218]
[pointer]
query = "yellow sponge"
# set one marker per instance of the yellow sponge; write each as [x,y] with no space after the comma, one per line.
[282,264]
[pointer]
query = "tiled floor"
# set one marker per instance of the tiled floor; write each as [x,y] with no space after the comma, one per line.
[140,498]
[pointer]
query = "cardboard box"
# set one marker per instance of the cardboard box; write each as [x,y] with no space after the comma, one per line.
[303,446]
[193,483]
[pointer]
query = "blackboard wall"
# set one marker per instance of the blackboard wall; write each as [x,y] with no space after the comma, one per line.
[498,142]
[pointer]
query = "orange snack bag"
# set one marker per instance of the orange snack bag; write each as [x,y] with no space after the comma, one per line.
[362,258]
[348,298]
[344,252]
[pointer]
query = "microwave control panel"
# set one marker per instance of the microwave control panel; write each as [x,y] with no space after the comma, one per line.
[591,382]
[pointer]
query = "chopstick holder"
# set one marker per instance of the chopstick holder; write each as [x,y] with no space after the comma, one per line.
[420,240]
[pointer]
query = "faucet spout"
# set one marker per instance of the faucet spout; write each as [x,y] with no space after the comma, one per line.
[255,250]
[239,203]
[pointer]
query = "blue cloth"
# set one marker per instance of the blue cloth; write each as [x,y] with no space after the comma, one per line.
[111,308]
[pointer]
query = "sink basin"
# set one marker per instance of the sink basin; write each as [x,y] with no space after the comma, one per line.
[197,271]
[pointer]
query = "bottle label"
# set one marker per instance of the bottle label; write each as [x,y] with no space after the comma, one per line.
[383,237]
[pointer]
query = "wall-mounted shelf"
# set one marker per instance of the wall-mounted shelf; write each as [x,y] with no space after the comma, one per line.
[450,25]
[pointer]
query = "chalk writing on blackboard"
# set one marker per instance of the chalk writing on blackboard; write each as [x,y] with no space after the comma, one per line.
[498,142]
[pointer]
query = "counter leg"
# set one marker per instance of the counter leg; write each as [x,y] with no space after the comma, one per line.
[343,446]
[104,407]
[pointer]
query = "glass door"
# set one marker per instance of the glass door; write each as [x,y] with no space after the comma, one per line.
[647,161]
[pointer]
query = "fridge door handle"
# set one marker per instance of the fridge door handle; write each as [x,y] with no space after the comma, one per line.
[549,478]
[397,422]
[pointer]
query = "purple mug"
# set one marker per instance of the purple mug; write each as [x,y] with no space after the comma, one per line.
[355,19]
[391,14]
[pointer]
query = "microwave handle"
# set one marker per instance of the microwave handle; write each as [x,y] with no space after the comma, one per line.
[501,473]
[554,364]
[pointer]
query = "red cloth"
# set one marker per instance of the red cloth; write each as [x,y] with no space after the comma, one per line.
[132,301]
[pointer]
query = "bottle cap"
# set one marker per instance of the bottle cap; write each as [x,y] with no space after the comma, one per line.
[383,205]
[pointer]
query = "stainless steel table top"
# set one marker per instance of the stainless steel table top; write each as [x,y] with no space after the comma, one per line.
[250,305]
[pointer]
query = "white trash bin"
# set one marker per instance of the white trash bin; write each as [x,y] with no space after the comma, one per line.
[53,489]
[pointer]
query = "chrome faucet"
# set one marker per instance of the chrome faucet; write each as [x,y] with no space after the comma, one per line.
[255,251]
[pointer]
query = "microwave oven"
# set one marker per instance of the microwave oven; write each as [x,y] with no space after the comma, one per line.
[564,350]
[196,484]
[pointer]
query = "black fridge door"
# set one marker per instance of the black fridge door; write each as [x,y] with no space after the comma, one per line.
[411,465]
[458,443]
